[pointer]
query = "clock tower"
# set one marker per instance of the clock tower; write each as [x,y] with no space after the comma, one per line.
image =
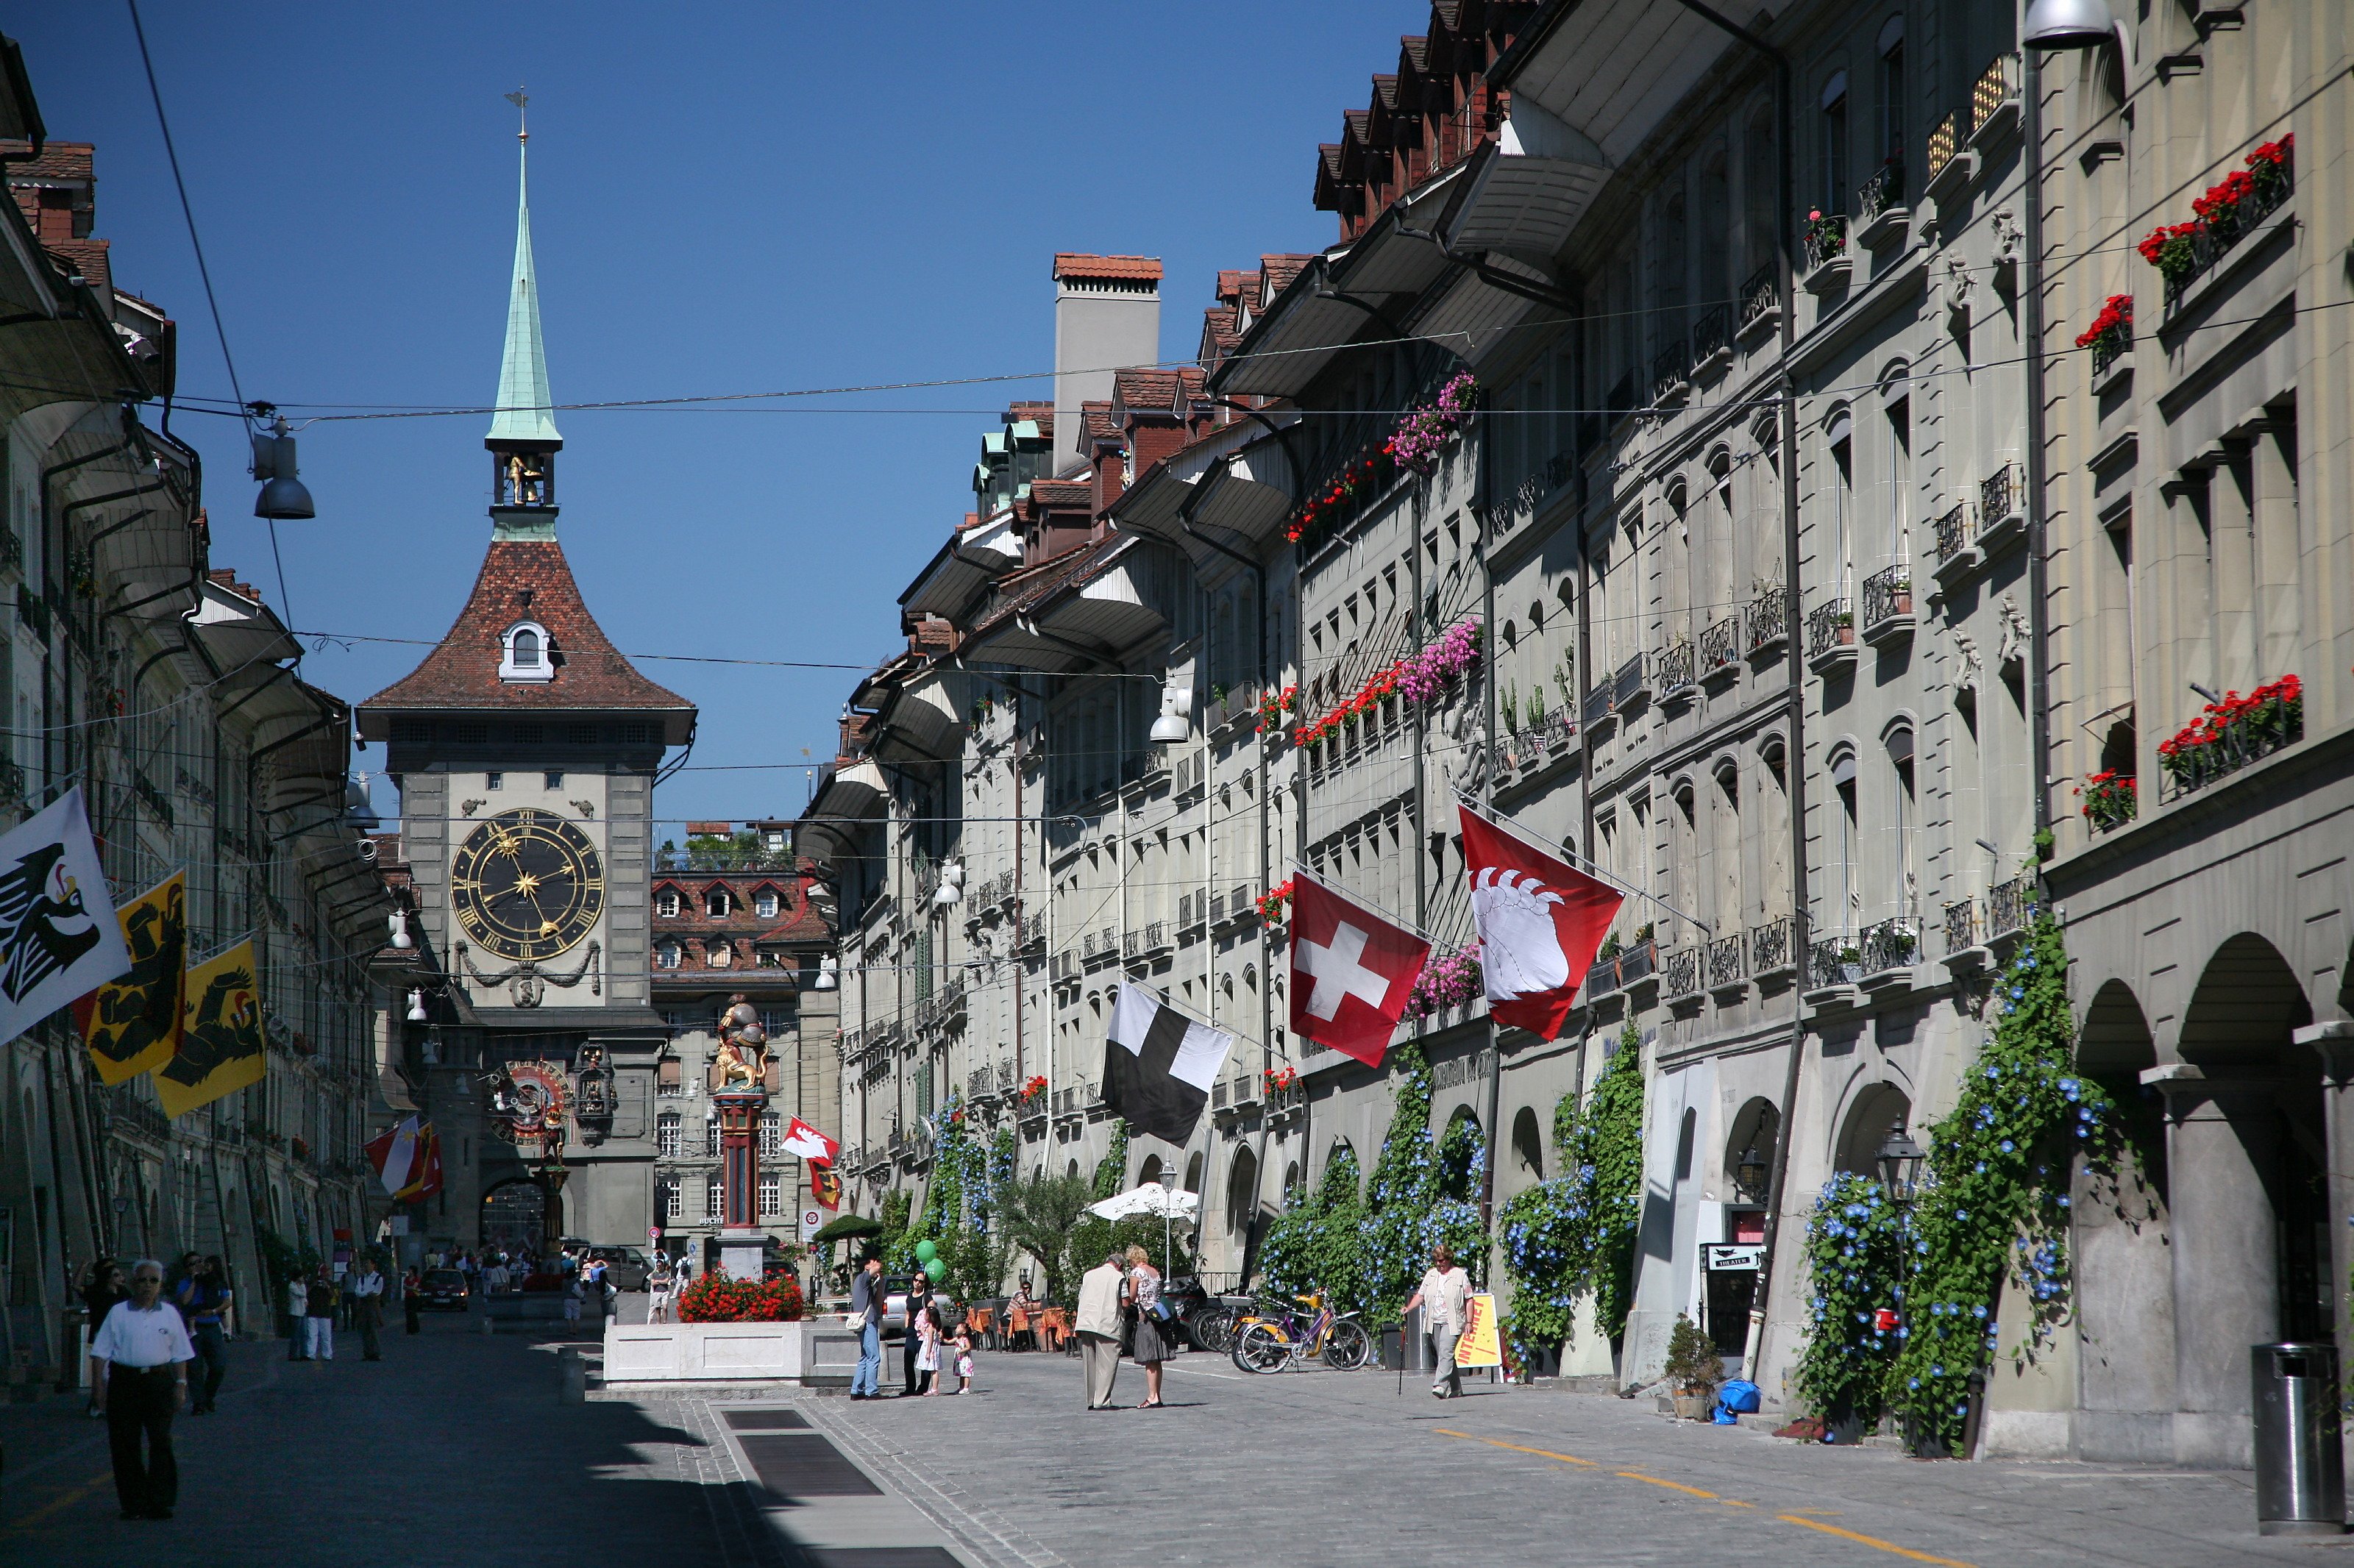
[525,749]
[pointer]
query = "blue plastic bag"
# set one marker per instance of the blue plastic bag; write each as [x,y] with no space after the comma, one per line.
[1736,1399]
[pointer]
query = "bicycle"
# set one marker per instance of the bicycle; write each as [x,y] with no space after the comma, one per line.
[1271,1341]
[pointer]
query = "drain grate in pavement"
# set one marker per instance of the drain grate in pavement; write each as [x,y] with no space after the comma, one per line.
[766,1419]
[884,1557]
[804,1464]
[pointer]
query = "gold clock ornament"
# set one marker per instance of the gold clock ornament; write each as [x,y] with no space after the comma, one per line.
[526,884]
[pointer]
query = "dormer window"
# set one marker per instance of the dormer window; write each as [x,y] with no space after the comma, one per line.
[718,955]
[527,654]
[716,904]
[764,903]
[666,903]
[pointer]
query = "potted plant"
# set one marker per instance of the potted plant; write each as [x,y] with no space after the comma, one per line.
[1694,1370]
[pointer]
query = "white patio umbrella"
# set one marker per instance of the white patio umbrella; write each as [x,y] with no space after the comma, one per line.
[1153,1201]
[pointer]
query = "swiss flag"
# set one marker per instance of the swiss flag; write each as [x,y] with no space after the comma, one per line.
[1540,923]
[1352,971]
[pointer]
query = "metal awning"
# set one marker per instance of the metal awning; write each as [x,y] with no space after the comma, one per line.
[1109,607]
[852,798]
[1521,204]
[964,568]
[1611,70]
[237,632]
[920,720]
[1471,314]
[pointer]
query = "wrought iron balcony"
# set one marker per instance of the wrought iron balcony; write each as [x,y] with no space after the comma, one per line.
[1675,662]
[1826,240]
[1833,961]
[1720,645]
[1728,961]
[1709,334]
[1890,945]
[1680,973]
[2224,229]
[1769,619]
[1952,532]
[1830,628]
[1999,495]
[1961,925]
[1760,296]
[2007,907]
[1628,684]
[1769,945]
[1597,705]
[1884,192]
[1668,372]
[1887,601]
[1638,963]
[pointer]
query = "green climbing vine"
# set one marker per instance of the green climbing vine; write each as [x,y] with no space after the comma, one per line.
[1312,1245]
[1996,1199]
[1409,1209]
[1856,1244]
[1574,1233]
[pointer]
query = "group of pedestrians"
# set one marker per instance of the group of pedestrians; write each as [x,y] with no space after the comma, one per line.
[1121,1299]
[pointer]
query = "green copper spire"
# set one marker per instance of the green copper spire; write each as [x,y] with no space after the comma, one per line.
[524,412]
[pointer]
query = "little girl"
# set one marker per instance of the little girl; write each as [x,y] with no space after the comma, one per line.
[964,1361]
[928,1358]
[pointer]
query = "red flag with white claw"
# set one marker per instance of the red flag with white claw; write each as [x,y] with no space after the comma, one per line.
[1540,924]
[1352,971]
[806,1142]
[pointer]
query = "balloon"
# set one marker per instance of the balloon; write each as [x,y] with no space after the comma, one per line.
[926,1251]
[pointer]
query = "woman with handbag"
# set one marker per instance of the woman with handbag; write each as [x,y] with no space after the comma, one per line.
[1152,1316]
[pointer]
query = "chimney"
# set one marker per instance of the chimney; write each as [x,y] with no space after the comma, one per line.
[1107,315]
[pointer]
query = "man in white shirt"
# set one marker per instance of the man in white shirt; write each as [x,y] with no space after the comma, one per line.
[364,1288]
[1446,1290]
[138,1376]
[1098,1326]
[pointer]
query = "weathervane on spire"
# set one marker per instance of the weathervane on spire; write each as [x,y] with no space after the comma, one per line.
[519,97]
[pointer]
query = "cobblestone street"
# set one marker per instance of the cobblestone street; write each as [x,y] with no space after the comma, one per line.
[456,1449]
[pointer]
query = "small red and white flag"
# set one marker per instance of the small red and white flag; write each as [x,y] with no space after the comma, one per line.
[1540,923]
[407,1159]
[806,1142]
[1352,971]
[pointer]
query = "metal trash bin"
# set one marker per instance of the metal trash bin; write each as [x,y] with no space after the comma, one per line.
[1407,1347]
[2300,1459]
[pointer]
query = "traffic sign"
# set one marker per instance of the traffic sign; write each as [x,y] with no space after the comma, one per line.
[811,1218]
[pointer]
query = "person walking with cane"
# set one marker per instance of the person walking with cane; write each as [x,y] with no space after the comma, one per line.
[138,1377]
[1446,1290]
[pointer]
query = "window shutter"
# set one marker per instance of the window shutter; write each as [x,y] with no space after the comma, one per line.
[774,1077]
[667,1072]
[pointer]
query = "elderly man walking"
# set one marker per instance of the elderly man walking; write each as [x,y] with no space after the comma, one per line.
[138,1377]
[1097,1327]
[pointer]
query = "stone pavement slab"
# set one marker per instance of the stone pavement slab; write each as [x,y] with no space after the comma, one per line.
[1316,1467]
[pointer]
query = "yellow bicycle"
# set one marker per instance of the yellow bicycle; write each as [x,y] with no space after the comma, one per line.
[1272,1341]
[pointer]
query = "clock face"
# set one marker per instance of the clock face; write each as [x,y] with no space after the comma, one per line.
[526,884]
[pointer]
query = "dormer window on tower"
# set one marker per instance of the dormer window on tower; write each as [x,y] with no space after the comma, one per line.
[527,655]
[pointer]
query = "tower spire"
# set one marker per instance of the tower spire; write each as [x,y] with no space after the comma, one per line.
[522,437]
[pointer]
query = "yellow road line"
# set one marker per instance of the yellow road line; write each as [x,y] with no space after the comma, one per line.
[65,1499]
[1874,1542]
[1673,1486]
[1515,1447]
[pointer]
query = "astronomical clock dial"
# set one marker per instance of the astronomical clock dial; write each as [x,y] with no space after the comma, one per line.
[526,884]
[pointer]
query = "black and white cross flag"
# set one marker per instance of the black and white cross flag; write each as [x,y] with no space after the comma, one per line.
[1159,1064]
[59,935]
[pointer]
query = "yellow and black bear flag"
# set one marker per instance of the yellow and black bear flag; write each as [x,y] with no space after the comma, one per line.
[133,1024]
[221,1047]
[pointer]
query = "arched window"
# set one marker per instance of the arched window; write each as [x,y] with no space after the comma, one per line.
[764,903]
[666,902]
[719,953]
[667,956]
[527,654]
[716,904]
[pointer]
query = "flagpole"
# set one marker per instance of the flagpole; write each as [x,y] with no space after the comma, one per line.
[1579,861]
[1299,869]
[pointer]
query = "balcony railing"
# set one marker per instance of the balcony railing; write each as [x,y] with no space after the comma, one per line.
[1769,619]
[1944,137]
[2007,907]
[1884,190]
[1952,532]
[1890,945]
[1728,960]
[1680,973]
[1627,684]
[1668,371]
[1961,925]
[1887,598]
[1769,945]
[1998,496]
[1720,645]
[2219,748]
[1831,626]
[1597,705]
[1708,333]
[1638,963]
[1760,295]
[1675,662]
[2228,226]
[1826,240]
[1833,961]
[1996,86]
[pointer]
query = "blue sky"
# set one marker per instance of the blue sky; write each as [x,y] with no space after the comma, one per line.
[726,199]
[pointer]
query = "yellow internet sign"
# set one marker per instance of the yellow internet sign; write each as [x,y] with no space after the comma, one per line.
[1480,1346]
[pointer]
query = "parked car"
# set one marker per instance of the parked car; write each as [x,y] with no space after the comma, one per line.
[444,1289]
[626,1266]
[895,1306]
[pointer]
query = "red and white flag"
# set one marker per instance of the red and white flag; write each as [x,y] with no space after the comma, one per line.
[806,1142]
[407,1159]
[1352,971]
[1540,922]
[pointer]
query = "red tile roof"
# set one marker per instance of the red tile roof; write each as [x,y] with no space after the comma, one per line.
[1277,273]
[1135,268]
[525,580]
[86,257]
[1097,424]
